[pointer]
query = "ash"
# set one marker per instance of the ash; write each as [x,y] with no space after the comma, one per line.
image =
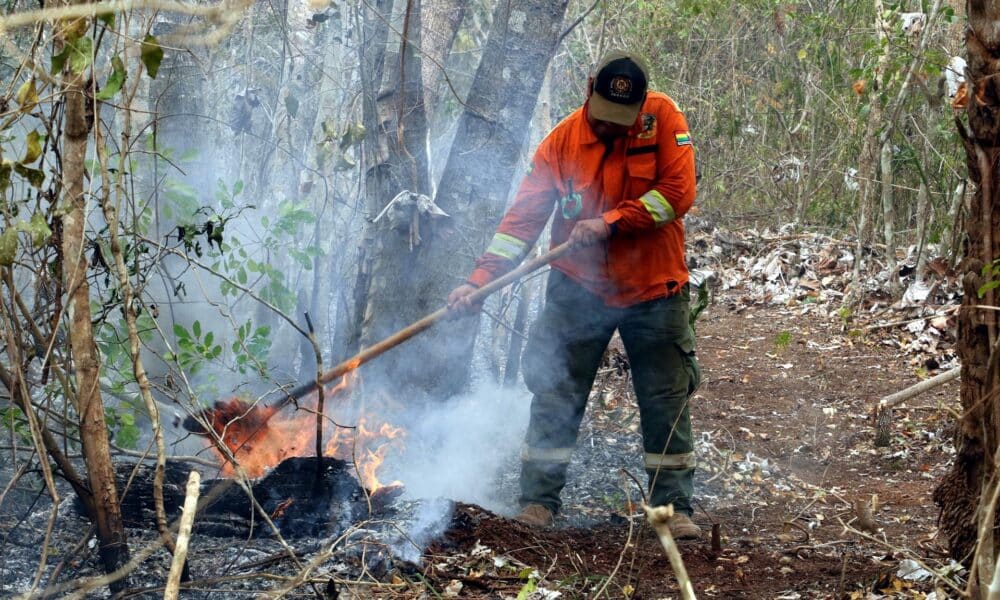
[370,550]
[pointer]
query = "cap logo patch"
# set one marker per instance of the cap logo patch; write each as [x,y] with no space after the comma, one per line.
[621,87]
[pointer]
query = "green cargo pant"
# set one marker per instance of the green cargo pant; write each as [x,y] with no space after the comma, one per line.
[560,363]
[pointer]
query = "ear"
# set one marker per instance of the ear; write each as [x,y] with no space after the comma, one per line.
[590,85]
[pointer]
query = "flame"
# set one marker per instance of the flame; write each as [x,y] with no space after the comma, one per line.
[260,439]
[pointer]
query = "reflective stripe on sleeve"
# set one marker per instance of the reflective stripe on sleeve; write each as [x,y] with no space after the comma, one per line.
[658,207]
[670,461]
[507,246]
[553,455]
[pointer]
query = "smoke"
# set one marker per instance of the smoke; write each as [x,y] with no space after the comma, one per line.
[459,449]
[426,526]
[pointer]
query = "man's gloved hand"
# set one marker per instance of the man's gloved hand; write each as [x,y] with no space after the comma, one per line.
[459,303]
[589,231]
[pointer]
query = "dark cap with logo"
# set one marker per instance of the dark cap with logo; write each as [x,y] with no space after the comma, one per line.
[620,83]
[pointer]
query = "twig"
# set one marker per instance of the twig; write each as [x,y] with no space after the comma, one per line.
[910,555]
[111,212]
[576,22]
[183,535]
[658,516]
[628,540]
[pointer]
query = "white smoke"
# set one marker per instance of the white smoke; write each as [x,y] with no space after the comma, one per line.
[458,450]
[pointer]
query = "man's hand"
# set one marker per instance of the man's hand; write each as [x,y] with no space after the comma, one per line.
[459,303]
[588,232]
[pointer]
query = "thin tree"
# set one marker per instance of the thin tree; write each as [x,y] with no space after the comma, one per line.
[77,124]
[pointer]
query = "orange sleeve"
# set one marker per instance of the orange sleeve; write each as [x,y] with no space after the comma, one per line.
[523,222]
[673,190]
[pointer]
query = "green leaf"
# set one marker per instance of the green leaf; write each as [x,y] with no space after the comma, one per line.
[81,54]
[115,80]
[292,105]
[34,176]
[59,61]
[196,329]
[108,19]
[8,246]
[39,230]
[33,148]
[527,589]
[27,95]
[151,55]
[5,169]
[180,332]
[127,435]
[344,163]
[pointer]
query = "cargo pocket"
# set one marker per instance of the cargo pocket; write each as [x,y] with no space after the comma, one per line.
[691,366]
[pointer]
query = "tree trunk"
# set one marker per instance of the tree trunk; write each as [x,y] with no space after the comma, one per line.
[868,159]
[400,165]
[374,29]
[962,495]
[476,184]
[440,27]
[889,216]
[86,362]
[922,218]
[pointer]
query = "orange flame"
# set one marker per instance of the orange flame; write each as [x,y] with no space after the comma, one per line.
[260,439]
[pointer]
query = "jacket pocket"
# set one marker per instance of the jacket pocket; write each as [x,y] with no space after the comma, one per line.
[641,173]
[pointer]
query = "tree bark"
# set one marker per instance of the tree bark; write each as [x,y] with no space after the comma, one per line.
[440,28]
[374,34]
[475,186]
[889,217]
[962,494]
[93,430]
[400,164]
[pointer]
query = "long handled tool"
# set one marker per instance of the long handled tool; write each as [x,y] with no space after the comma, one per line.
[377,349]
[422,325]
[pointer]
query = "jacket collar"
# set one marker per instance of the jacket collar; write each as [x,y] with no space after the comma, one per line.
[587,135]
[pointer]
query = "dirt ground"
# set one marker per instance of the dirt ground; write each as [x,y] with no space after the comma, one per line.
[787,450]
[787,462]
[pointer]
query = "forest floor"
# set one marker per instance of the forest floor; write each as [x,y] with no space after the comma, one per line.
[786,465]
[786,449]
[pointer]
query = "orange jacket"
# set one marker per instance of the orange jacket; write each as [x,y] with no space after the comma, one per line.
[641,188]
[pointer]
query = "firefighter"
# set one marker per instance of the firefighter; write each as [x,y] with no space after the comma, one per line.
[619,174]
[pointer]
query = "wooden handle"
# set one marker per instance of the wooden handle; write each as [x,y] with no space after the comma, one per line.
[425,323]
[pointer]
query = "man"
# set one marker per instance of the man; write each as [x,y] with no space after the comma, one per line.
[620,174]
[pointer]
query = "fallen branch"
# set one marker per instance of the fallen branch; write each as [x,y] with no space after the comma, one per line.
[183,536]
[919,388]
[658,517]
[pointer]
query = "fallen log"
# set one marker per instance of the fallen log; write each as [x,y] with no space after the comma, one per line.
[304,496]
[918,388]
[883,410]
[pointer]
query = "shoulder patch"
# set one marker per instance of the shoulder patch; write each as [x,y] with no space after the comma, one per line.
[648,126]
[682,137]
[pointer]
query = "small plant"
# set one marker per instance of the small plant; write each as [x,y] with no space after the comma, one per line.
[991,273]
[782,340]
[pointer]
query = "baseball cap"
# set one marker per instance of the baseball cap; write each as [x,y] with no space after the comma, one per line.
[619,88]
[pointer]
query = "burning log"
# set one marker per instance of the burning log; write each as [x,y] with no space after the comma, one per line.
[303,496]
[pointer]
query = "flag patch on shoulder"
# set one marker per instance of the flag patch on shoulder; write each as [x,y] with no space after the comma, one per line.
[683,138]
